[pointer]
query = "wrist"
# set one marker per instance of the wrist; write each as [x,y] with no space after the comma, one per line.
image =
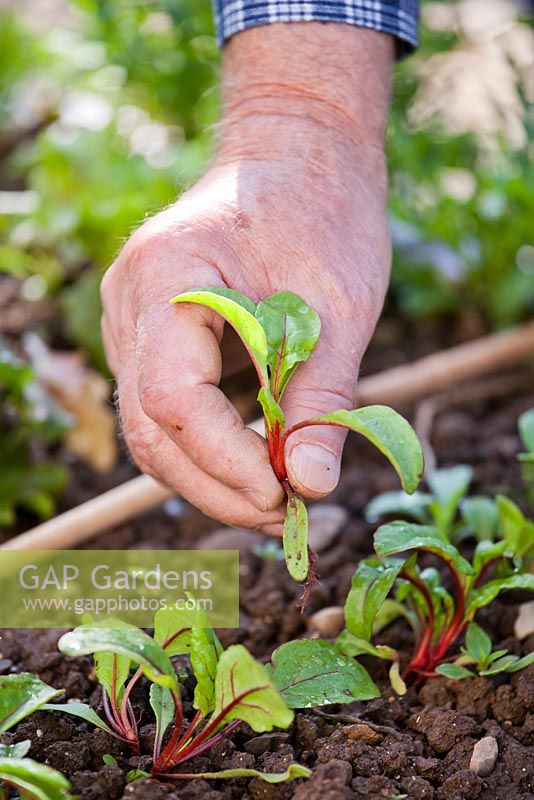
[286,87]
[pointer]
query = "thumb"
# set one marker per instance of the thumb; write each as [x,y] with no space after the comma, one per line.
[313,453]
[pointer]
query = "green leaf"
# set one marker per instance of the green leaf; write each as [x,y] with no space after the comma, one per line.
[81,710]
[109,761]
[351,645]
[271,410]
[515,528]
[17,750]
[244,690]
[125,641]
[112,671]
[292,329]
[481,515]
[389,432]
[162,705]
[170,633]
[504,664]
[478,643]
[33,780]
[136,775]
[487,551]
[397,683]
[399,537]
[525,427]
[483,595]
[295,539]
[411,505]
[521,663]
[312,672]
[371,584]
[454,672]
[448,486]
[206,650]
[293,772]
[389,611]
[238,311]
[20,696]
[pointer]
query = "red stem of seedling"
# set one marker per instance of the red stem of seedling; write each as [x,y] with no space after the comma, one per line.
[421,655]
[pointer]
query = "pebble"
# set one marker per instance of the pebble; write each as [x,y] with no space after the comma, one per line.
[524,624]
[229,539]
[5,665]
[360,732]
[266,743]
[325,521]
[484,756]
[327,621]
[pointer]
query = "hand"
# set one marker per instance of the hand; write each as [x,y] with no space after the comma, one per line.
[294,200]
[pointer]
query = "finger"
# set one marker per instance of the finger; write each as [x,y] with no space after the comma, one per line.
[323,384]
[179,368]
[158,456]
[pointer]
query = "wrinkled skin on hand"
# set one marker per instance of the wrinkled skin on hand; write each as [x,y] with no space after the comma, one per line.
[291,202]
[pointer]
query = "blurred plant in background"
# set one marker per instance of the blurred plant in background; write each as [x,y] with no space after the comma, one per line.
[106,115]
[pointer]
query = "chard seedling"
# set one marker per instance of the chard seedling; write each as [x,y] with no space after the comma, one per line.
[20,696]
[231,689]
[477,652]
[280,333]
[438,617]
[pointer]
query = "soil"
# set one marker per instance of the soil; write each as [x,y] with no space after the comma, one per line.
[434,727]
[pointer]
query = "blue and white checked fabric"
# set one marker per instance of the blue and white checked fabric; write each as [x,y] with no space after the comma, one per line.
[398,17]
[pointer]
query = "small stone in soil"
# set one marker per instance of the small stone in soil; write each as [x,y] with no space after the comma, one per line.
[361,732]
[524,624]
[484,756]
[229,539]
[5,665]
[328,621]
[325,521]
[267,742]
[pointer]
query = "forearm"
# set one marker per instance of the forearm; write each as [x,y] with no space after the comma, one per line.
[305,89]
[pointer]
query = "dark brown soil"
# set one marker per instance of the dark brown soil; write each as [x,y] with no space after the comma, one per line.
[434,727]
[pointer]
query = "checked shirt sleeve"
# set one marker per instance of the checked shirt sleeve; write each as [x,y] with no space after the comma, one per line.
[397,17]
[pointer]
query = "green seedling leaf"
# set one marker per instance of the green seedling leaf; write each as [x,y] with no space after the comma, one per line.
[454,672]
[399,537]
[482,516]
[504,664]
[515,528]
[295,539]
[389,432]
[206,650]
[521,663]
[244,690]
[292,329]
[17,750]
[124,641]
[109,761]
[482,596]
[80,710]
[389,611]
[525,426]
[411,505]
[397,683]
[271,410]
[312,672]
[20,696]
[112,671]
[293,772]
[170,633]
[487,551]
[162,705]
[448,486]
[371,584]
[350,645]
[136,775]
[238,311]
[478,643]
[33,780]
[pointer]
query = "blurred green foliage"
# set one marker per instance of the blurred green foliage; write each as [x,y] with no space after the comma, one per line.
[30,423]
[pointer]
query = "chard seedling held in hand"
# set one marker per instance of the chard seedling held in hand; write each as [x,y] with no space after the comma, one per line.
[231,689]
[438,617]
[280,333]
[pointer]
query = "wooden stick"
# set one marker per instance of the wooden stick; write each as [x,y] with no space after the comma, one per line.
[394,386]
